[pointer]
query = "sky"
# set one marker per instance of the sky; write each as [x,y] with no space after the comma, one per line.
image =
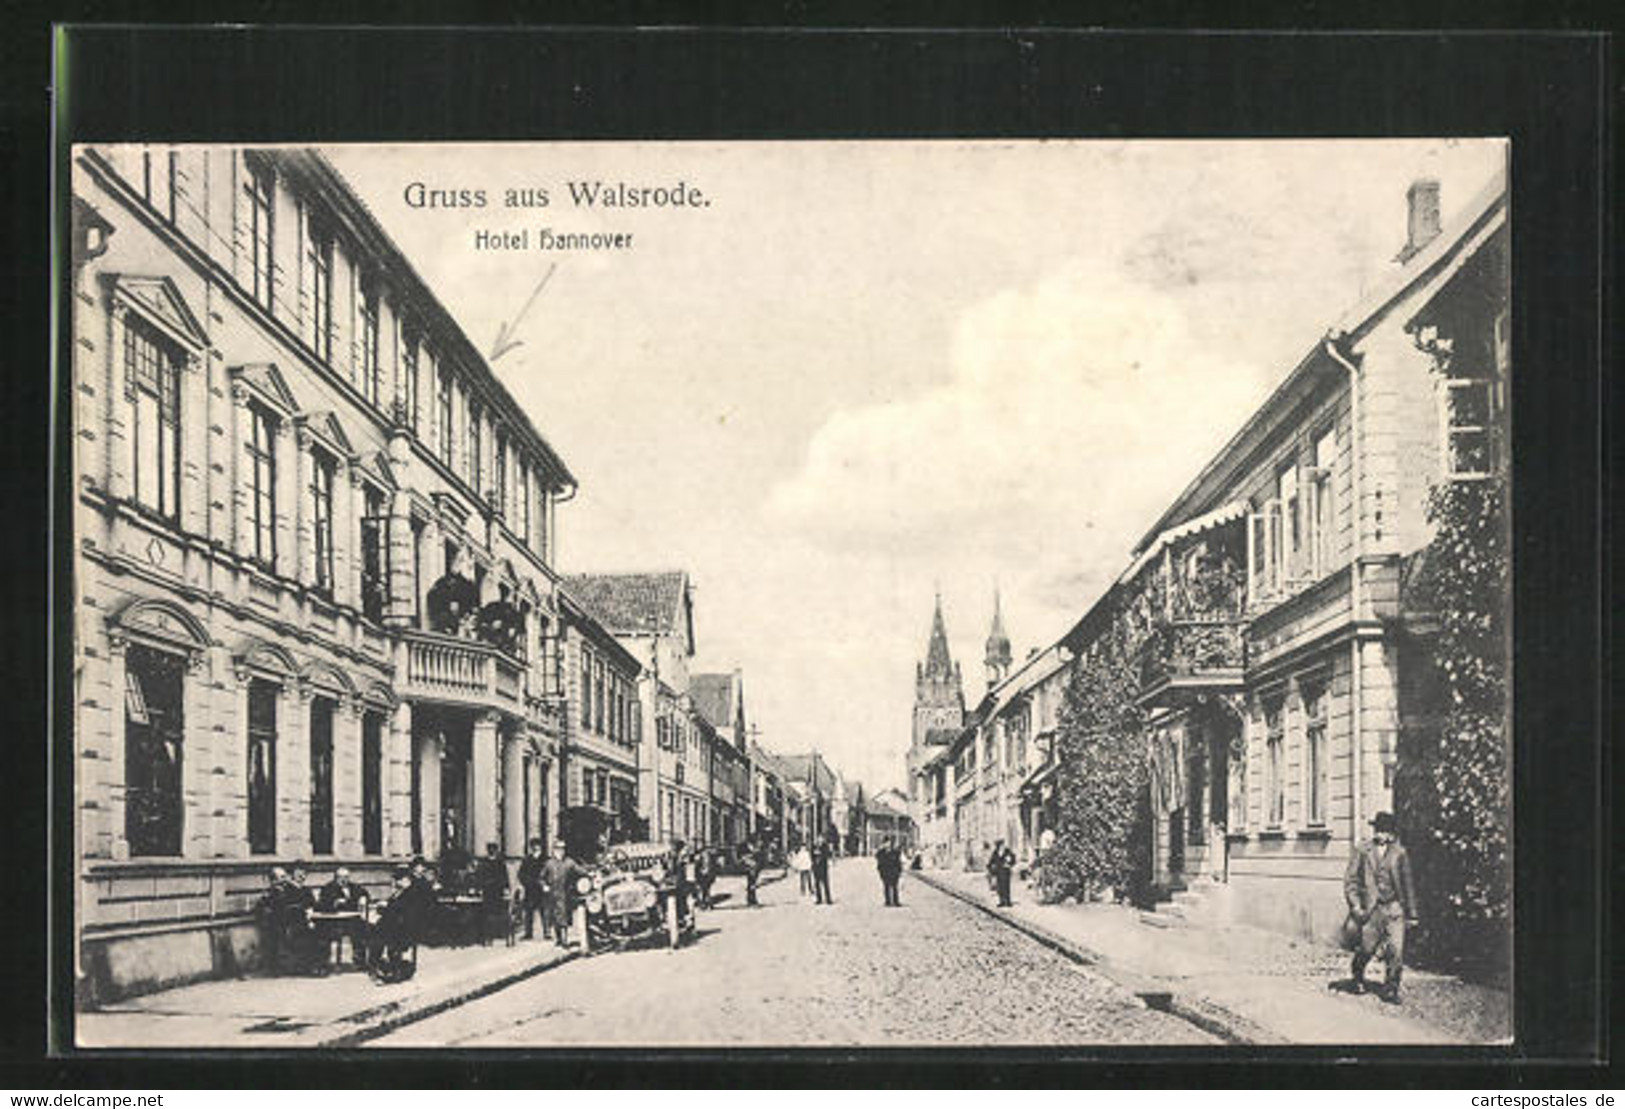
[862,372]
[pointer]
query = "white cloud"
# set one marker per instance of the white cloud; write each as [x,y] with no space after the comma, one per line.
[1073,410]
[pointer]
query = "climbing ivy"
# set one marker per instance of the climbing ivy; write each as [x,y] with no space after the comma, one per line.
[1103,837]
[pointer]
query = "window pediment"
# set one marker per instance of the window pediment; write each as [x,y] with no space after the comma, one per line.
[159,300]
[266,383]
[324,427]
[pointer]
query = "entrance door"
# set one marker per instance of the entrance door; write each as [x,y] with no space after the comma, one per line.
[1176,845]
[454,776]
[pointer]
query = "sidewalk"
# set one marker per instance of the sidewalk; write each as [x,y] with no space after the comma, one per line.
[1243,983]
[298,1012]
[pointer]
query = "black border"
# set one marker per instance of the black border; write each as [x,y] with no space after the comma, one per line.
[1549,91]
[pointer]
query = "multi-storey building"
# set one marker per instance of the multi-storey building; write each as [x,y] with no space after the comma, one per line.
[1279,662]
[720,699]
[598,777]
[652,616]
[773,810]
[315,612]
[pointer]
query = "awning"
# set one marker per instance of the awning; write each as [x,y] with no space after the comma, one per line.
[1224,514]
[1040,776]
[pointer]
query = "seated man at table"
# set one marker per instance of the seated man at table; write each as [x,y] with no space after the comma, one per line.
[392,941]
[341,895]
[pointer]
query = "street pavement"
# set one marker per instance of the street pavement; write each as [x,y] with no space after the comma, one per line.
[790,973]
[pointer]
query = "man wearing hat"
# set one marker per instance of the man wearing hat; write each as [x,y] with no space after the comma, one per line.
[1382,901]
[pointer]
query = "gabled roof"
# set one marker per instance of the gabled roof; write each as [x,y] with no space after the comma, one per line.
[716,697]
[801,768]
[636,604]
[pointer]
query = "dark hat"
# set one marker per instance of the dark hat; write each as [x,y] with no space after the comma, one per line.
[402,872]
[1383,822]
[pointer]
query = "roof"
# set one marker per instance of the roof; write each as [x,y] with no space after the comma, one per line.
[714,696]
[882,805]
[578,617]
[800,767]
[938,662]
[634,604]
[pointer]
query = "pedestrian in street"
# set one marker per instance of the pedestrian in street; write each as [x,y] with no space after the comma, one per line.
[889,862]
[491,879]
[530,885]
[820,873]
[705,875]
[1000,864]
[751,861]
[559,876]
[1382,904]
[801,863]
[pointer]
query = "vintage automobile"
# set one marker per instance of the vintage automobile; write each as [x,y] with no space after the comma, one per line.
[630,895]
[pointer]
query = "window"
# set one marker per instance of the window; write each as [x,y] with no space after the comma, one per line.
[1323,508]
[1289,545]
[442,408]
[262,697]
[475,450]
[598,696]
[499,475]
[1275,777]
[321,776]
[374,582]
[409,378]
[153,750]
[523,478]
[1469,407]
[262,483]
[258,183]
[372,784]
[371,370]
[321,292]
[1314,735]
[153,375]
[586,690]
[321,517]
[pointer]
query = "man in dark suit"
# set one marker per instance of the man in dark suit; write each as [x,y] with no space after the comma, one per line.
[820,872]
[530,882]
[1000,864]
[559,876]
[889,862]
[491,878]
[1382,901]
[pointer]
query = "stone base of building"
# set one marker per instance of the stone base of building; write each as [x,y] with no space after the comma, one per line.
[122,965]
[1302,908]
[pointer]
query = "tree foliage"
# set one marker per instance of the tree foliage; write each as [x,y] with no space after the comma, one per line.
[1457,804]
[1102,837]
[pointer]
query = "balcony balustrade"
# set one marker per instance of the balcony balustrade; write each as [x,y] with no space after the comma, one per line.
[447,668]
[1193,651]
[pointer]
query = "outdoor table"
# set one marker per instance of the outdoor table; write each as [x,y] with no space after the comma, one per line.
[462,914]
[328,926]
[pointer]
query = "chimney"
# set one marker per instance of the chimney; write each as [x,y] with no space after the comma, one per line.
[1422,216]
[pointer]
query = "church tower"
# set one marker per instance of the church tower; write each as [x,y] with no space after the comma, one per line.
[939,698]
[997,658]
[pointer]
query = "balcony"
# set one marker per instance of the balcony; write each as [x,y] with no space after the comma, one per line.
[462,671]
[1193,653]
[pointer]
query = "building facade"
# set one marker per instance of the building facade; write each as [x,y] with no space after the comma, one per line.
[603,735]
[316,617]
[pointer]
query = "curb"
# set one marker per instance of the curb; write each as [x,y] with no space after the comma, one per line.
[390,1020]
[1204,1012]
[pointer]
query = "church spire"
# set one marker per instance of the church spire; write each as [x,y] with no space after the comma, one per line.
[997,658]
[938,663]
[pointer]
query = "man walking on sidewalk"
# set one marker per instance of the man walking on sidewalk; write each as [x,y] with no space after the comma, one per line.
[889,862]
[558,883]
[1382,901]
[530,882]
[999,866]
[820,873]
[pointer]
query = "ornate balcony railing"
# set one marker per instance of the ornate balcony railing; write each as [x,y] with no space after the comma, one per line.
[443,667]
[1204,651]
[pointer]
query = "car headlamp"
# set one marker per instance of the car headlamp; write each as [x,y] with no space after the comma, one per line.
[595,902]
[657,873]
[583,885]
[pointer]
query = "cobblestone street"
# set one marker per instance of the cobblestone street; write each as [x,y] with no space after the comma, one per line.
[794,974]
